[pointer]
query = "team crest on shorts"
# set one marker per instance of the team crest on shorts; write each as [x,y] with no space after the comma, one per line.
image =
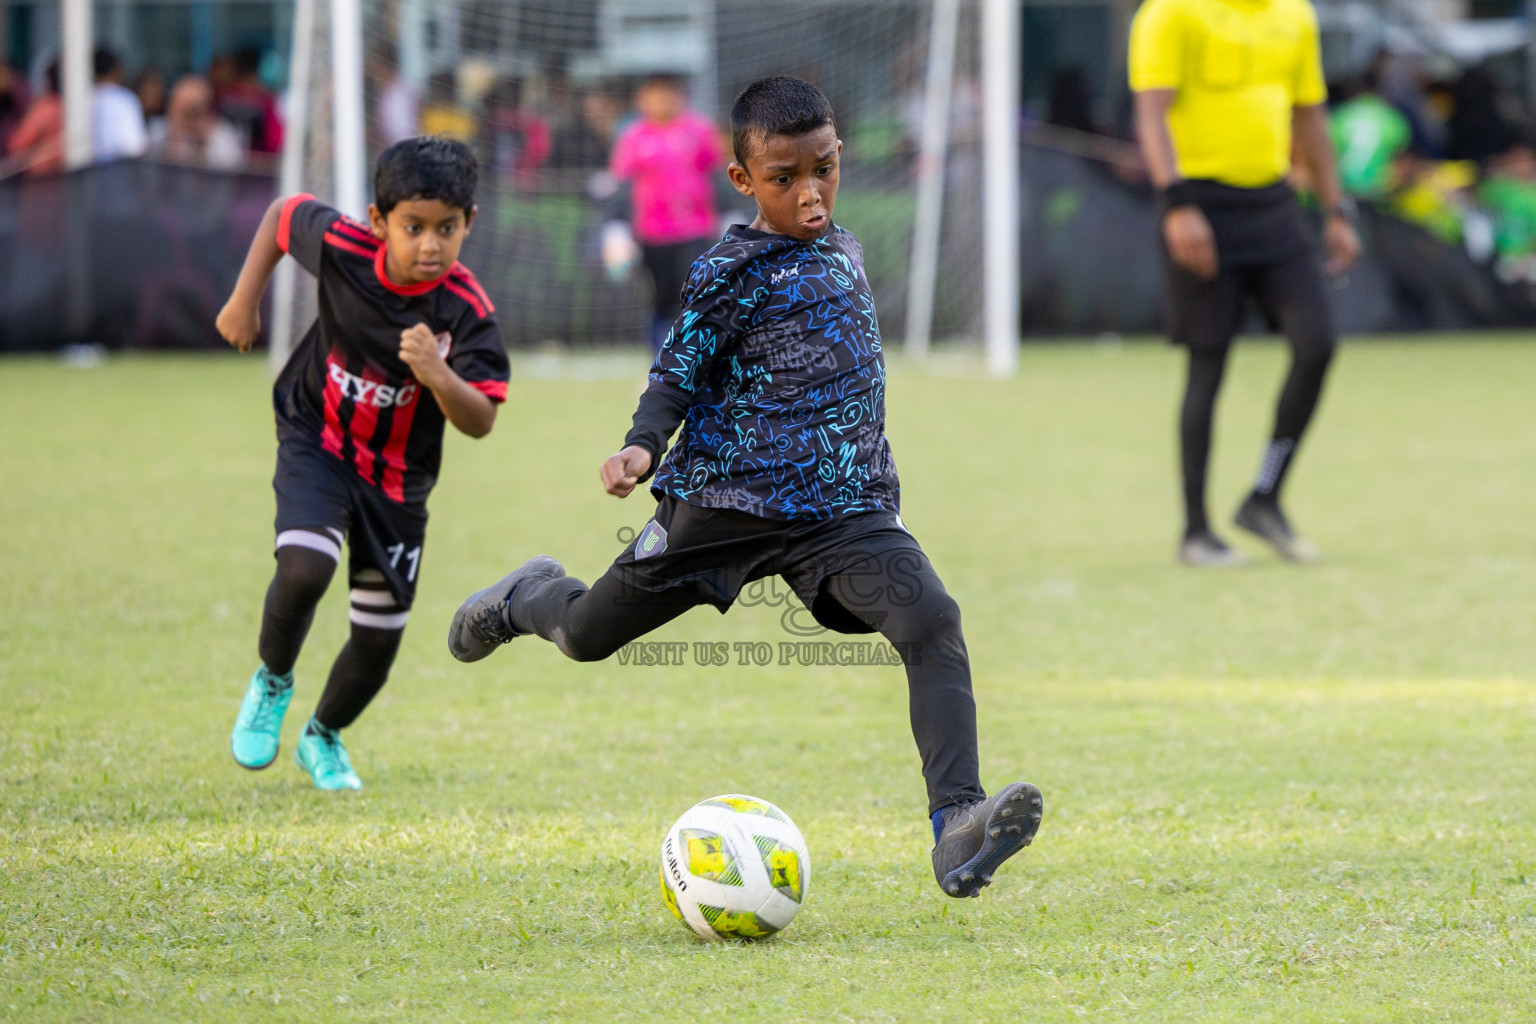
[652,540]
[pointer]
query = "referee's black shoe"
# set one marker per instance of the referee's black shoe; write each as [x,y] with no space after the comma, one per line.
[980,836]
[1202,549]
[484,621]
[1262,517]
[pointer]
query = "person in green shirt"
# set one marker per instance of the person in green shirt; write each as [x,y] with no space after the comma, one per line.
[1368,134]
[1508,193]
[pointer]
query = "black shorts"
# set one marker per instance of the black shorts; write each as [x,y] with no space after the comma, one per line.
[317,491]
[1265,255]
[714,553]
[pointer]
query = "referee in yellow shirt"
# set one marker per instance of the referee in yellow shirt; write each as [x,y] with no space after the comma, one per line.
[1223,87]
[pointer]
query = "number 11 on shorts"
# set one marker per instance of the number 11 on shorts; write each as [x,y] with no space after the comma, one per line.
[413,556]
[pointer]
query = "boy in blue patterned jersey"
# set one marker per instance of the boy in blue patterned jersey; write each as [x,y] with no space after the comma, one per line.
[774,372]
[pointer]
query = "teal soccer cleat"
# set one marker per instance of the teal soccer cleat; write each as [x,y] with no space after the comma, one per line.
[255,737]
[321,753]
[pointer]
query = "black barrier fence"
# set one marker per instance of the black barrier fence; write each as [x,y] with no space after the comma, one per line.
[141,254]
[1090,264]
[129,254]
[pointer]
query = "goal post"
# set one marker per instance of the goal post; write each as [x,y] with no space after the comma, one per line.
[1000,75]
[290,179]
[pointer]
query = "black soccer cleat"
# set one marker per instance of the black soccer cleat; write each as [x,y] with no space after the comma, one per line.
[484,621]
[1263,519]
[1204,550]
[977,838]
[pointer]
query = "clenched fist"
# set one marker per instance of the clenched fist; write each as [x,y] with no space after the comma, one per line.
[623,471]
[239,324]
[419,351]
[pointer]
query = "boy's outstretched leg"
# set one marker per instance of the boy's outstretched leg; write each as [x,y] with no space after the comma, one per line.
[970,842]
[586,623]
[484,621]
[899,594]
[306,560]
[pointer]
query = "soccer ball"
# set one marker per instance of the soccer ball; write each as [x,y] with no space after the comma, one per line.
[734,867]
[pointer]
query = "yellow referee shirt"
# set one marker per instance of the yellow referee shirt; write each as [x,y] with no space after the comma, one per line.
[1239,66]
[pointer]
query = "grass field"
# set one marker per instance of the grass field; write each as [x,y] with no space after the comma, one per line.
[1278,794]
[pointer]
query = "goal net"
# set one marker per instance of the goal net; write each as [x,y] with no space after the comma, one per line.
[541,88]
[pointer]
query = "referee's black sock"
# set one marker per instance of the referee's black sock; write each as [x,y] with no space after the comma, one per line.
[1298,401]
[1272,469]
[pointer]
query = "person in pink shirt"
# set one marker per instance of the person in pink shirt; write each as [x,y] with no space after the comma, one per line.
[669,157]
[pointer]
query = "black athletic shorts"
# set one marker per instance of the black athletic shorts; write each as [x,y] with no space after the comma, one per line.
[714,553]
[318,491]
[1265,254]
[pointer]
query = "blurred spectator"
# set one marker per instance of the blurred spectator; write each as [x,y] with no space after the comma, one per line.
[192,132]
[443,115]
[517,139]
[222,74]
[117,120]
[1508,193]
[149,87]
[1477,129]
[396,112]
[1368,134]
[1402,81]
[13,104]
[1434,194]
[589,142]
[38,142]
[669,156]
[1070,104]
[561,108]
[246,103]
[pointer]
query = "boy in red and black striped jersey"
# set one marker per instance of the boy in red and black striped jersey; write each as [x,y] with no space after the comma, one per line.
[406,339]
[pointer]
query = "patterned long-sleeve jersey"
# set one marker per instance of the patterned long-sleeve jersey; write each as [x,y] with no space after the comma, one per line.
[776,373]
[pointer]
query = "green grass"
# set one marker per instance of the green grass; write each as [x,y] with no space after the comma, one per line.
[1280,794]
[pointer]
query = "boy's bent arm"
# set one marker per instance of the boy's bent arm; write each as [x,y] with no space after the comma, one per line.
[657,417]
[713,316]
[470,410]
[239,322]
[660,411]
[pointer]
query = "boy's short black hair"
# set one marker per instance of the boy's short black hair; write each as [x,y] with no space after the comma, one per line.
[427,167]
[781,105]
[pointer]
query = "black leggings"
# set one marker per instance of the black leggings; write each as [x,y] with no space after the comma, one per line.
[1207,316]
[362,667]
[669,265]
[589,624]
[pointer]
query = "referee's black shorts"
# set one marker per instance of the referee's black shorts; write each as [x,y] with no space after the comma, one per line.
[1265,253]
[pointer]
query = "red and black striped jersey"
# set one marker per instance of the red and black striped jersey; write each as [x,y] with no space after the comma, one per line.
[345,389]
